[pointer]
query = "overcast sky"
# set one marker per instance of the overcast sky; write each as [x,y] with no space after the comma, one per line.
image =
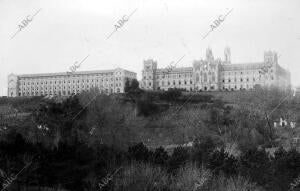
[66,31]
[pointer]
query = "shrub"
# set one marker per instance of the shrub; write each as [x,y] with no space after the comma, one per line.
[179,158]
[139,152]
[141,176]
[286,168]
[147,108]
[190,177]
[255,164]
[160,156]
[201,150]
[239,183]
[220,161]
[107,159]
[171,95]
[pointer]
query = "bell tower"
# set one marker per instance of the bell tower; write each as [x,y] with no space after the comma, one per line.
[149,74]
[209,55]
[270,57]
[227,55]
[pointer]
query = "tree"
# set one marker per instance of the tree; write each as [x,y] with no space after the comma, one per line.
[285,167]
[179,158]
[222,161]
[171,95]
[59,121]
[160,156]
[134,84]
[202,149]
[139,152]
[256,165]
[131,85]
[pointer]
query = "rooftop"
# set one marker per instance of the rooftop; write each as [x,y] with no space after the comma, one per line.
[72,73]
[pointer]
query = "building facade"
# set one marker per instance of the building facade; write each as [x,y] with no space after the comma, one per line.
[66,84]
[216,75]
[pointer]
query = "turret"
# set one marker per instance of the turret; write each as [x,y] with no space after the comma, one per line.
[227,55]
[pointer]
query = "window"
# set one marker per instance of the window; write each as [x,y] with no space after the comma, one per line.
[197,77]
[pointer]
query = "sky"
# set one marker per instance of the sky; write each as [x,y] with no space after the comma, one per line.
[66,31]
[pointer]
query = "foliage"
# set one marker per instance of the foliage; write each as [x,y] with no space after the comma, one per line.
[285,167]
[147,107]
[160,157]
[139,152]
[220,161]
[171,95]
[140,176]
[255,164]
[179,158]
[190,177]
[202,149]
[131,85]
[76,142]
[239,183]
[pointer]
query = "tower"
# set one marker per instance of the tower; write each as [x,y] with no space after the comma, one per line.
[270,57]
[12,88]
[149,74]
[227,55]
[209,55]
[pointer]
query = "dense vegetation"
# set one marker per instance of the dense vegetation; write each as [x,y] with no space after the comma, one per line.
[137,141]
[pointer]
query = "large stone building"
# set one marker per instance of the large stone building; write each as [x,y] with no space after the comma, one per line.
[65,84]
[214,74]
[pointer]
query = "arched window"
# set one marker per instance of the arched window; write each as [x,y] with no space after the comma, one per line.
[197,77]
[213,77]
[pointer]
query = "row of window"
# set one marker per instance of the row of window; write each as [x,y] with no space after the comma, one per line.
[186,89]
[59,86]
[163,76]
[247,79]
[72,75]
[213,78]
[67,87]
[37,93]
[237,87]
[241,73]
[163,83]
[64,81]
